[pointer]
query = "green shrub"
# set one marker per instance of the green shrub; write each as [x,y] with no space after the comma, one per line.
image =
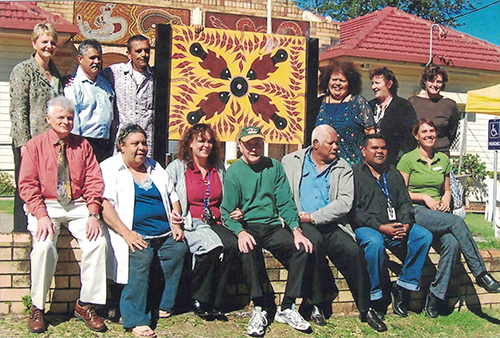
[476,173]
[7,186]
[27,303]
[490,175]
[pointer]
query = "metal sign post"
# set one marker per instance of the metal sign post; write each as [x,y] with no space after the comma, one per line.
[494,144]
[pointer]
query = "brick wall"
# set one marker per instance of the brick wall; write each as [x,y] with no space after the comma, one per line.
[281,8]
[64,290]
[327,32]
[15,273]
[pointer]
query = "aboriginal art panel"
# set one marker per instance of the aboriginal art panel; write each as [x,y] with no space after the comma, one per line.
[256,24]
[115,23]
[231,79]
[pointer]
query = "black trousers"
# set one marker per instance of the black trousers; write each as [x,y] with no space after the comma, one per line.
[279,241]
[348,258]
[102,148]
[20,221]
[210,274]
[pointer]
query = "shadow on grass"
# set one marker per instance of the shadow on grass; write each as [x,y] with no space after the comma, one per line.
[485,316]
[56,319]
[464,292]
[461,290]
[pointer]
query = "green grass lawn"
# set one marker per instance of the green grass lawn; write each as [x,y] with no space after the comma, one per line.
[457,324]
[482,228]
[7,206]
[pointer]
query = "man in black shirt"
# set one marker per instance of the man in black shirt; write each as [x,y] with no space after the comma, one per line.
[383,218]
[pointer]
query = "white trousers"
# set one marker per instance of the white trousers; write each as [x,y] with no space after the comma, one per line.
[44,254]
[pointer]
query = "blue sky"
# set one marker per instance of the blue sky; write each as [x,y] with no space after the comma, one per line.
[483,24]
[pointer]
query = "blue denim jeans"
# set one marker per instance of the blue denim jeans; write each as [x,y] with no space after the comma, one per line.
[134,295]
[374,243]
[443,226]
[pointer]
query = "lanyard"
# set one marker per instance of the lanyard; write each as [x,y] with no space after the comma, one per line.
[205,193]
[385,189]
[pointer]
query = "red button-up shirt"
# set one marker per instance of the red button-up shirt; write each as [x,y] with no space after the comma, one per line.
[38,173]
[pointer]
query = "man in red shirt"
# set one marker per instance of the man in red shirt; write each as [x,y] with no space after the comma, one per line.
[61,183]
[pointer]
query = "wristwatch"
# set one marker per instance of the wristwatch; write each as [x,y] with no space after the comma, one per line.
[97,216]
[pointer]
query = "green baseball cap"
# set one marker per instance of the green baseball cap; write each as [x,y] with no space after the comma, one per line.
[248,133]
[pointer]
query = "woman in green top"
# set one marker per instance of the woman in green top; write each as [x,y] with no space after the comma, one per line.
[427,175]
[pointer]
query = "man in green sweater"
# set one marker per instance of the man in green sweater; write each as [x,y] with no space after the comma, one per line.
[258,186]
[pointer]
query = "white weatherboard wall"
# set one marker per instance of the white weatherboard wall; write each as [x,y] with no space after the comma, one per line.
[14,48]
[477,139]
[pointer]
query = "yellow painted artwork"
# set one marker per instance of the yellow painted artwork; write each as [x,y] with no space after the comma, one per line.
[231,79]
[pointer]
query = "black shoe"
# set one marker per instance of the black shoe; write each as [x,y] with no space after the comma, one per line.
[380,307]
[219,315]
[317,316]
[380,314]
[398,300]
[373,320]
[489,283]
[431,305]
[201,311]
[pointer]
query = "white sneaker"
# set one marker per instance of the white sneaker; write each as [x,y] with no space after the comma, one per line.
[258,323]
[292,318]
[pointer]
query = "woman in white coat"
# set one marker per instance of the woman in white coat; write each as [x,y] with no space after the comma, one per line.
[142,211]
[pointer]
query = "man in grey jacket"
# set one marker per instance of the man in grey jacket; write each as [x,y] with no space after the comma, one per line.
[323,189]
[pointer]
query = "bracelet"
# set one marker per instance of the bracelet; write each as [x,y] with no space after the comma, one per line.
[298,229]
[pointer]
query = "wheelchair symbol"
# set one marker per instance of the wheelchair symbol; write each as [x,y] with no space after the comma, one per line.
[493,131]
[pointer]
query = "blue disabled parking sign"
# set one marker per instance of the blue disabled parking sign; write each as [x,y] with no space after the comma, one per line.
[494,134]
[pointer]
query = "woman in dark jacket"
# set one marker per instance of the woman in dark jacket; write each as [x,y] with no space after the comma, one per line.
[394,116]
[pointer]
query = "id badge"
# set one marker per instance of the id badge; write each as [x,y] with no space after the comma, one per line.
[391,212]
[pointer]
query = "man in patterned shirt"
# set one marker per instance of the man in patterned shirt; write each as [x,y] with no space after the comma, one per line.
[133,85]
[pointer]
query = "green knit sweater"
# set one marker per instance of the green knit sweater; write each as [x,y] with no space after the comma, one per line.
[262,191]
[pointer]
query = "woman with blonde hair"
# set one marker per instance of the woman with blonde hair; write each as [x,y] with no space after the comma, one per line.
[33,83]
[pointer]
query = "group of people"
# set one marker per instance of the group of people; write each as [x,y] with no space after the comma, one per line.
[58,173]
[406,143]
[376,175]
[104,99]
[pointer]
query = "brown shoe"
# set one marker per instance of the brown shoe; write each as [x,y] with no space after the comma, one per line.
[90,317]
[36,323]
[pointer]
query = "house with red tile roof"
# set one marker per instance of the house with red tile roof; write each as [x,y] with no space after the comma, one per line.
[25,15]
[402,42]
[393,35]
[17,20]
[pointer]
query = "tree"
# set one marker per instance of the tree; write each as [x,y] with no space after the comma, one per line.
[438,11]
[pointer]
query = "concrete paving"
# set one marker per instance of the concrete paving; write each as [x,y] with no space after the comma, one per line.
[6,223]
